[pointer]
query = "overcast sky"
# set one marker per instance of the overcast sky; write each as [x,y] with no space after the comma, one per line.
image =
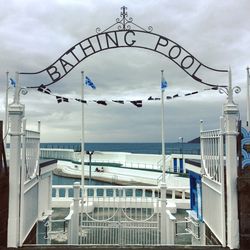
[33,34]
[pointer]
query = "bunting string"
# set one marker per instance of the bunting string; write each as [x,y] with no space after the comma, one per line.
[138,103]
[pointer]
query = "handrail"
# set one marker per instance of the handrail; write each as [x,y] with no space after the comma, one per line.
[154,189]
[121,187]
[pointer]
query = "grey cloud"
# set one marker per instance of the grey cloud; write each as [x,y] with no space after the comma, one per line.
[35,33]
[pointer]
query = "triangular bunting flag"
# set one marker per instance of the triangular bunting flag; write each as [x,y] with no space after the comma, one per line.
[118,101]
[137,103]
[80,100]
[101,102]
[61,99]
[44,89]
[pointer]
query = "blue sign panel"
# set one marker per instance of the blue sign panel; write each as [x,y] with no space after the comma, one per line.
[181,166]
[175,165]
[196,194]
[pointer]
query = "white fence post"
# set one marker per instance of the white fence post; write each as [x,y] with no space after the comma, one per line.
[222,180]
[231,117]
[75,216]
[16,113]
[22,180]
[171,228]
[164,239]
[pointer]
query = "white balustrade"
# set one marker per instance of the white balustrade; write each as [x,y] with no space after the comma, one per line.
[105,193]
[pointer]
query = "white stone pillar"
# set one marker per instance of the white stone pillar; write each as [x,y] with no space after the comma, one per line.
[16,113]
[170,228]
[75,216]
[164,239]
[231,113]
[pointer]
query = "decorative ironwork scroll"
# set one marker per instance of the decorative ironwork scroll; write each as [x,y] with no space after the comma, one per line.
[123,36]
[124,23]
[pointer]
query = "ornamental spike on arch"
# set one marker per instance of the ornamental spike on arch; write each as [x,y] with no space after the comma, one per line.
[124,23]
[122,35]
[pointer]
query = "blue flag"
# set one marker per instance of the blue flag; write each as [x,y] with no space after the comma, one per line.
[12,82]
[164,84]
[89,83]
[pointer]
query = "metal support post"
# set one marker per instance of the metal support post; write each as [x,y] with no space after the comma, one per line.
[90,153]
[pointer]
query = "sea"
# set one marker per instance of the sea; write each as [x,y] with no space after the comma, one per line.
[136,148]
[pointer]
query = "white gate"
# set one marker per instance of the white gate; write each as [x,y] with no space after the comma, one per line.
[213,195]
[120,216]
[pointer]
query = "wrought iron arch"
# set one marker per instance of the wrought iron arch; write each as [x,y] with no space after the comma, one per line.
[124,37]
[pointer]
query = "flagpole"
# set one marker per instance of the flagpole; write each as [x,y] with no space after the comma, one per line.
[82,137]
[248,101]
[6,109]
[163,132]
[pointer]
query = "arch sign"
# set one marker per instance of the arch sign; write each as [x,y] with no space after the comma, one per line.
[125,37]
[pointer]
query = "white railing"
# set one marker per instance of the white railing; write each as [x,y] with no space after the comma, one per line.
[141,165]
[31,151]
[62,195]
[213,193]
[119,215]
[69,154]
[212,153]
[60,154]
[29,187]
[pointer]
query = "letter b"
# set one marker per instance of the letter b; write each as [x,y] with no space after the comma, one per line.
[53,73]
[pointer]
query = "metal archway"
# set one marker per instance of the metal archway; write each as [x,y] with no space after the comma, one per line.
[123,36]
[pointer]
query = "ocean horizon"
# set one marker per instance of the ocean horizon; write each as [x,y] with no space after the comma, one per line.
[136,148]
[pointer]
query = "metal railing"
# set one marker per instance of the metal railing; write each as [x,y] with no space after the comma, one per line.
[71,155]
[59,154]
[64,193]
[212,153]
[30,151]
[118,215]
[212,156]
